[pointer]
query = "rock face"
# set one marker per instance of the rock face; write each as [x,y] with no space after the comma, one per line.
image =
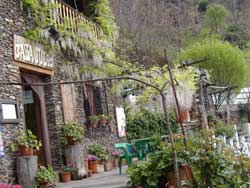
[14,20]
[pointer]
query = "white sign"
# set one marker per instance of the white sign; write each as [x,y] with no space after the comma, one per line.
[9,111]
[121,121]
[31,53]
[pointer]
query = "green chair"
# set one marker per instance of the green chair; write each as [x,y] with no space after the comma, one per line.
[125,150]
[143,147]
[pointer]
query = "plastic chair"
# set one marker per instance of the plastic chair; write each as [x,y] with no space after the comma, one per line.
[126,154]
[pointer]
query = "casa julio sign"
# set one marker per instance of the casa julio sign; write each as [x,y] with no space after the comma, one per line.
[28,52]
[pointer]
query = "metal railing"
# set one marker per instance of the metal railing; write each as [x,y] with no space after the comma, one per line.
[62,13]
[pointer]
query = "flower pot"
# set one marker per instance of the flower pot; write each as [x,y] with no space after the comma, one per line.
[70,140]
[185,174]
[115,163]
[66,177]
[93,124]
[25,151]
[93,166]
[103,121]
[100,168]
[107,166]
[188,172]
[184,116]
[89,173]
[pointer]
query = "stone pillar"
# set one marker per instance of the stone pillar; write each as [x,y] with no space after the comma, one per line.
[26,170]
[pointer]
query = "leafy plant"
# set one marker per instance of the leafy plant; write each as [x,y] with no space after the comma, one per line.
[102,116]
[69,168]
[222,129]
[73,130]
[93,118]
[148,174]
[98,151]
[146,123]
[27,139]
[46,175]
[213,167]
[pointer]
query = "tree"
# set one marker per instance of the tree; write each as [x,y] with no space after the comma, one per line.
[224,62]
[215,16]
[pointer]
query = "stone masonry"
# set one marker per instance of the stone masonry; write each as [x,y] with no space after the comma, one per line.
[14,20]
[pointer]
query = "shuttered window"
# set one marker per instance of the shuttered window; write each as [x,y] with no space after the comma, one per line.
[93,101]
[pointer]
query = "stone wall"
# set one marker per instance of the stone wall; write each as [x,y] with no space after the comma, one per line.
[13,20]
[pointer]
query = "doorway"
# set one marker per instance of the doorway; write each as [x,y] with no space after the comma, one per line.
[35,115]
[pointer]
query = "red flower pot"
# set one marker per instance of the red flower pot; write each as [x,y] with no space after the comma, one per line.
[184,116]
[93,124]
[25,151]
[70,140]
[92,166]
[103,121]
[66,177]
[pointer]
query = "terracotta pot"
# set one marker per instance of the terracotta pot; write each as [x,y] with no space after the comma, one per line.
[70,140]
[188,172]
[184,116]
[92,166]
[103,121]
[89,173]
[25,151]
[93,124]
[185,174]
[115,163]
[66,177]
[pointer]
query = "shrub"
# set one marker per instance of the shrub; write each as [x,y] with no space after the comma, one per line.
[147,123]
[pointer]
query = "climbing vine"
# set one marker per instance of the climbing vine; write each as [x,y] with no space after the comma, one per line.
[79,44]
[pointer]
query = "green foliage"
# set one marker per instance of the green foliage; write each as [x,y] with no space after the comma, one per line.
[146,123]
[202,5]
[46,175]
[69,169]
[212,167]
[225,63]
[102,116]
[105,18]
[236,35]
[98,151]
[93,118]
[148,173]
[215,16]
[27,139]
[73,130]
[222,129]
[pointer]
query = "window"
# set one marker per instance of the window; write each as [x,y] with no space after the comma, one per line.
[93,101]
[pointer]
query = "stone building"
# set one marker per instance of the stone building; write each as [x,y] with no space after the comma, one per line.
[45,109]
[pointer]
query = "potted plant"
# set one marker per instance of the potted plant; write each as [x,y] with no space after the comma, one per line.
[27,141]
[109,119]
[93,121]
[46,177]
[115,156]
[73,133]
[92,163]
[103,120]
[67,172]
